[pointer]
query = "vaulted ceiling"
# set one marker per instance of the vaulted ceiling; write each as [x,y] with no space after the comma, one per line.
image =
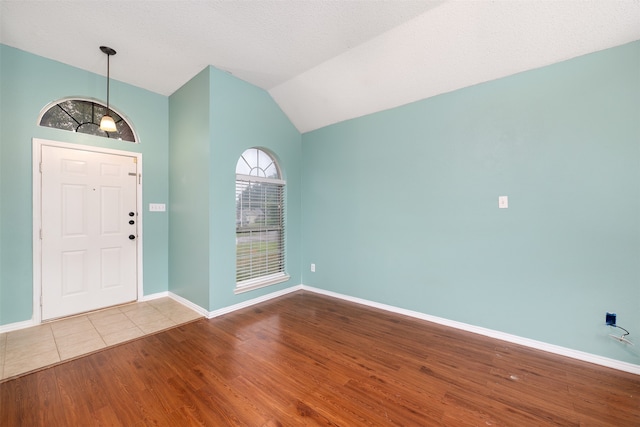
[323,61]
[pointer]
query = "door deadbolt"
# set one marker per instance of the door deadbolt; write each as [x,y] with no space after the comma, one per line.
[131,237]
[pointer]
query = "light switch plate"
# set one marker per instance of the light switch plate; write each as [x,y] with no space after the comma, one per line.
[503,202]
[157,207]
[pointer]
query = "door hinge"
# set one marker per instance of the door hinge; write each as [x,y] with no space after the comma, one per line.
[41,300]
[139,178]
[41,234]
[40,167]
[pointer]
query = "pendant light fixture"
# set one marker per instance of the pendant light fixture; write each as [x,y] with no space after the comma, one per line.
[107,123]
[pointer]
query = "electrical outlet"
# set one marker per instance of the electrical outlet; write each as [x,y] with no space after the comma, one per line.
[611,319]
[313,268]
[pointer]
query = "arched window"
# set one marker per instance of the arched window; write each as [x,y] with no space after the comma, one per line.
[83,116]
[260,207]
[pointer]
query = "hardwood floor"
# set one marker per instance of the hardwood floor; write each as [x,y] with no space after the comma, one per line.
[306,360]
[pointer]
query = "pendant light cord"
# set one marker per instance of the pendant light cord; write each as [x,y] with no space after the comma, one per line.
[108,51]
[108,68]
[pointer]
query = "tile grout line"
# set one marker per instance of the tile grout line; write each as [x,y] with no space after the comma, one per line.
[97,332]
[55,341]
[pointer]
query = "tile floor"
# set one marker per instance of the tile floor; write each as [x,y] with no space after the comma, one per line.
[32,348]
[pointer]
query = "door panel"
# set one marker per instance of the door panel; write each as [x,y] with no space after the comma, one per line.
[74,273]
[110,267]
[88,260]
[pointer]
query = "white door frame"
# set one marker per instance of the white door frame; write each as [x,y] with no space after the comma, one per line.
[37,219]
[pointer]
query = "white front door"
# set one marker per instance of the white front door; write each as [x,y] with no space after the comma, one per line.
[89,230]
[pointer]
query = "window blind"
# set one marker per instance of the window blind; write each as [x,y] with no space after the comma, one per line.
[260,234]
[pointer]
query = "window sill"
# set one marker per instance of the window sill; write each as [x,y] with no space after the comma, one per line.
[261,282]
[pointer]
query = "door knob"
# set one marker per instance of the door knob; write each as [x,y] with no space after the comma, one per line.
[132,222]
[132,237]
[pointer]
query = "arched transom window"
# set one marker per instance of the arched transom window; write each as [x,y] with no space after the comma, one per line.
[83,116]
[260,234]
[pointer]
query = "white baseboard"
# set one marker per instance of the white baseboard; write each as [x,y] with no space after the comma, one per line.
[177,298]
[251,302]
[539,345]
[231,308]
[188,303]
[154,296]
[17,325]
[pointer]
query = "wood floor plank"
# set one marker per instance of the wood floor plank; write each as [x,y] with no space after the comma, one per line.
[309,360]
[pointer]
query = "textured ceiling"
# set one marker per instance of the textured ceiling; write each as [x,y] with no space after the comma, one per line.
[323,61]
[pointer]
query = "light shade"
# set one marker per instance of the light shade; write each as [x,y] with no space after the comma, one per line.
[107,124]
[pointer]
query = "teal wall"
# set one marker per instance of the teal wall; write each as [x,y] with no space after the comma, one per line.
[28,83]
[214,118]
[401,207]
[189,201]
[245,116]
